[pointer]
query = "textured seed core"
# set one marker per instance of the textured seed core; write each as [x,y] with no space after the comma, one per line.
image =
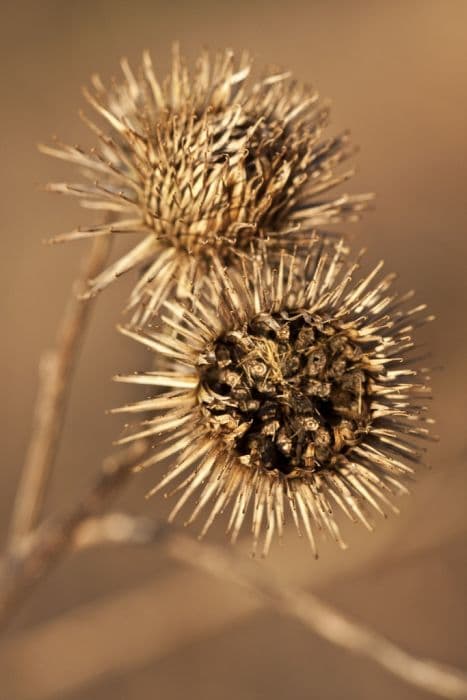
[239,184]
[288,390]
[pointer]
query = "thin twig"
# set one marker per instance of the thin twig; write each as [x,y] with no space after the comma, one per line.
[82,528]
[308,608]
[329,624]
[36,554]
[88,638]
[120,528]
[55,372]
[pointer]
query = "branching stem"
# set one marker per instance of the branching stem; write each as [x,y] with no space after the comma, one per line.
[55,374]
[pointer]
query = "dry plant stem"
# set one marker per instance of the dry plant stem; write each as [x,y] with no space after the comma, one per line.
[56,368]
[329,624]
[81,528]
[295,602]
[36,554]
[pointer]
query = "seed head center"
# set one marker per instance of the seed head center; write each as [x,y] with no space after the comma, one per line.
[289,391]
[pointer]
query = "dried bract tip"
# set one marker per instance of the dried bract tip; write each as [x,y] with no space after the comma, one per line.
[202,164]
[288,387]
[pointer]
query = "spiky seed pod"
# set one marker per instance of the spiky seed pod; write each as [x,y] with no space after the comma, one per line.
[290,388]
[202,164]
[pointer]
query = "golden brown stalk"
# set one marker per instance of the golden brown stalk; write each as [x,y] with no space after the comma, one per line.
[34,555]
[322,619]
[56,369]
[307,608]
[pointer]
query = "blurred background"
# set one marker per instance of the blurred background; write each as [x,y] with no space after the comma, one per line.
[121,623]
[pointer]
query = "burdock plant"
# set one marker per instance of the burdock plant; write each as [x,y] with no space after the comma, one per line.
[284,384]
[202,164]
[289,387]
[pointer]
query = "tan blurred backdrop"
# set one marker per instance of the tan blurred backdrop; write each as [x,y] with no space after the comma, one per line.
[120,624]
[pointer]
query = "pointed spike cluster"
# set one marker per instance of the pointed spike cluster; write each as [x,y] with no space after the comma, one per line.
[201,164]
[287,389]
[279,402]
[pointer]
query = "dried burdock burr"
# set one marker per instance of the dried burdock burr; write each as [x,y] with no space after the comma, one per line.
[200,165]
[289,389]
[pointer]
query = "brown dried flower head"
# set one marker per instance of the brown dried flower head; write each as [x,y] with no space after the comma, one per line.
[202,164]
[289,388]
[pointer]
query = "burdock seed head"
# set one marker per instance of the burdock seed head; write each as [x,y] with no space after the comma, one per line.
[202,164]
[290,388]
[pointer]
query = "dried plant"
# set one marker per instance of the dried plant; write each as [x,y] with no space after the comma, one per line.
[200,165]
[285,383]
[286,388]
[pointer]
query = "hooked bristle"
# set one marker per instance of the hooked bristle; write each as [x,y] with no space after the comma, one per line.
[201,165]
[288,389]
